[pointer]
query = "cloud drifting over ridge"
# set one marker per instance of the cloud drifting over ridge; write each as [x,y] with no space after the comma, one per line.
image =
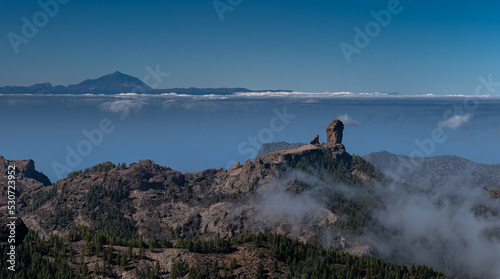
[455,122]
[440,227]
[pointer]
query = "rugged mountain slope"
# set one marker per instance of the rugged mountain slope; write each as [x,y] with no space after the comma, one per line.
[428,172]
[151,201]
[317,193]
[26,179]
[154,201]
[436,171]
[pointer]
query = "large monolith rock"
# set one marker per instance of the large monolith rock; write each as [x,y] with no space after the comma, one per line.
[334,132]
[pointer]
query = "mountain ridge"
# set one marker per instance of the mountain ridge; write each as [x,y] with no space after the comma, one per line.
[317,194]
[427,172]
[116,83]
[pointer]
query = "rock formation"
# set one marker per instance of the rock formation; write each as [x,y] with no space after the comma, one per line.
[26,177]
[334,132]
[315,140]
[277,146]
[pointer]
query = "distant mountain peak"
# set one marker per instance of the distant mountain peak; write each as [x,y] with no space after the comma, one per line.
[115,83]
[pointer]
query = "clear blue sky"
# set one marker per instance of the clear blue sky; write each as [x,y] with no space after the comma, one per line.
[429,47]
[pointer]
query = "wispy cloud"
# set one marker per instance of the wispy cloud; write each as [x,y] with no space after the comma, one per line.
[348,120]
[123,106]
[455,122]
[298,94]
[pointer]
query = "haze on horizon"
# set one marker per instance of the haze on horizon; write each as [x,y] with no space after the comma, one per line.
[410,47]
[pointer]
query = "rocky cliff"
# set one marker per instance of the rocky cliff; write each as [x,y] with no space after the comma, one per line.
[26,179]
[155,201]
[26,176]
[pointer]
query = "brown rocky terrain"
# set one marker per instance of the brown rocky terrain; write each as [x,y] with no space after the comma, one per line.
[155,201]
[26,177]
[147,202]
[277,146]
[158,199]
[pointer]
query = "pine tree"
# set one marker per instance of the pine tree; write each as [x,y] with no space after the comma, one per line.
[275,266]
[157,269]
[259,273]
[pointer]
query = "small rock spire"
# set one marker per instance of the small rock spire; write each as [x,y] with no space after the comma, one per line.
[315,140]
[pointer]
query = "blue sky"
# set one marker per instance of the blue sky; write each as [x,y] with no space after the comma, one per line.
[438,47]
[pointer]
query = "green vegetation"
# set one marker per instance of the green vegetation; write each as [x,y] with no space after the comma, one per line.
[354,213]
[280,256]
[495,194]
[361,164]
[37,258]
[335,170]
[113,222]
[41,197]
[61,216]
[94,240]
[97,192]
[215,246]
[96,169]
[312,261]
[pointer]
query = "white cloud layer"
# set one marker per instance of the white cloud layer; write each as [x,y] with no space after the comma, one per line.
[455,122]
[123,107]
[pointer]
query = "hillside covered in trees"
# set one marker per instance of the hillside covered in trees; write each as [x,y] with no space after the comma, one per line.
[86,253]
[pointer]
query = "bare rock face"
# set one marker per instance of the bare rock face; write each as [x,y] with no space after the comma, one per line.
[26,177]
[277,146]
[334,132]
[315,140]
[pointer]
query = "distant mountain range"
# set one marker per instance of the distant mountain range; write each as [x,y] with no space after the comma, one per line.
[429,172]
[116,83]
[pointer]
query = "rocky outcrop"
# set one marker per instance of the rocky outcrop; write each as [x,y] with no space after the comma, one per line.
[315,140]
[25,172]
[26,177]
[277,146]
[334,132]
